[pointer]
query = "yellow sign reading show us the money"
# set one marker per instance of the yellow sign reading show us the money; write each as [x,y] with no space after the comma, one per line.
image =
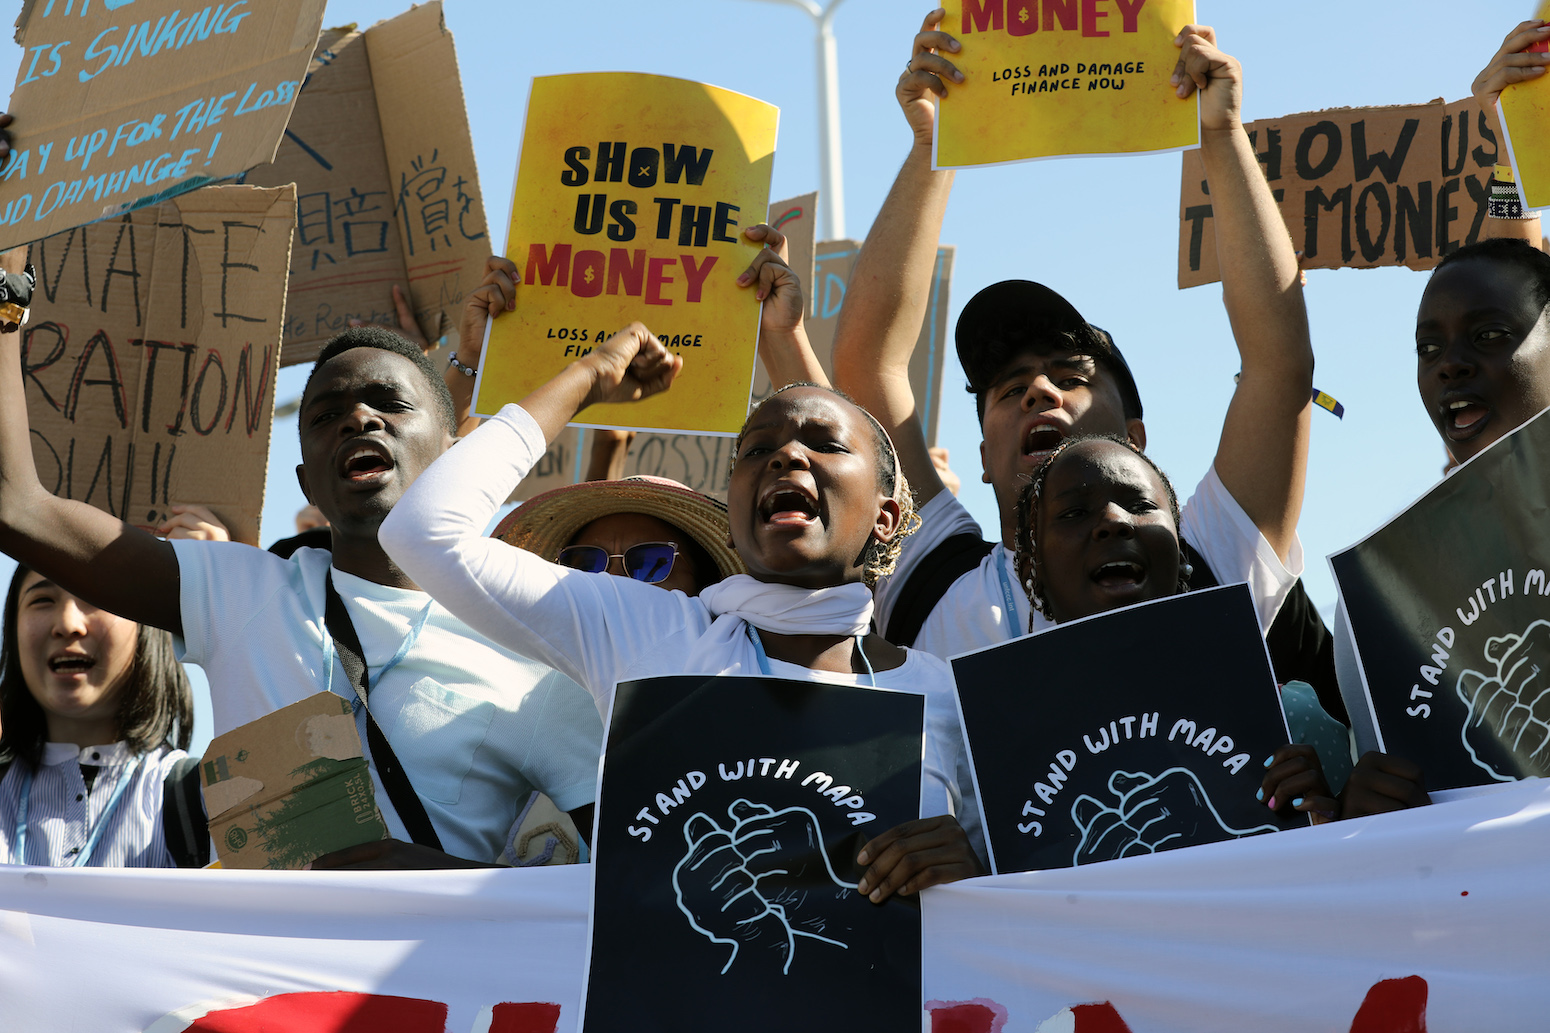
[1063,78]
[631,198]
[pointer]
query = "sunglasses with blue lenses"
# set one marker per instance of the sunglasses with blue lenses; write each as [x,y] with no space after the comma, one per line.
[650,562]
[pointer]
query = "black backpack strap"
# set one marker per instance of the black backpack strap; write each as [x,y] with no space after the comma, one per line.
[954,557]
[411,810]
[184,825]
[1301,647]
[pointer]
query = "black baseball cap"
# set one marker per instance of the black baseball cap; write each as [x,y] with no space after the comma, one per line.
[1005,319]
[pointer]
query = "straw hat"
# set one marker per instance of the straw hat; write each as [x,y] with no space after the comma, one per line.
[546,523]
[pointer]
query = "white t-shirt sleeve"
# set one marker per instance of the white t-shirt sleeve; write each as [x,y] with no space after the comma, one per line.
[1219,530]
[210,609]
[588,626]
[940,519]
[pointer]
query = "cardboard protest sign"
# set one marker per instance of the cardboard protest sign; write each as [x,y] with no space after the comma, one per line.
[119,106]
[1368,187]
[150,357]
[387,192]
[290,787]
[703,462]
[1449,606]
[835,262]
[670,169]
[1152,746]
[730,815]
[797,218]
[1061,79]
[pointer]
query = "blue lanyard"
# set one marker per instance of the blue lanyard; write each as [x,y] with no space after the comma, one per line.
[1007,597]
[19,845]
[372,681]
[764,659]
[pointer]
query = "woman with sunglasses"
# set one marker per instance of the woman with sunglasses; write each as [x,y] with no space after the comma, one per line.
[648,528]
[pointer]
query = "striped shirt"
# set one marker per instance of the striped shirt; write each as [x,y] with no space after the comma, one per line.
[64,812]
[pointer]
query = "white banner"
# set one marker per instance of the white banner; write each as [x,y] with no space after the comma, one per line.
[1435,918]
[1440,914]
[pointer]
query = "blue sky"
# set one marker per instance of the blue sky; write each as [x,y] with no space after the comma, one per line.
[1102,231]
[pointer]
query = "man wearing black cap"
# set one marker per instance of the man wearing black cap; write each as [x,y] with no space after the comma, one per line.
[1040,372]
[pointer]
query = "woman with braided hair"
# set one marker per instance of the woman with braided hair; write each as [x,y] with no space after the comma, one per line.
[1097,529]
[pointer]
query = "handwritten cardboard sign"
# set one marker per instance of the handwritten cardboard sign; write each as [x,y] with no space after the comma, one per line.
[150,358]
[120,105]
[704,462]
[1061,78]
[1449,605]
[290,787]
[729,819]
[1161,746]
[387,191]
[629,203]
[1359,187]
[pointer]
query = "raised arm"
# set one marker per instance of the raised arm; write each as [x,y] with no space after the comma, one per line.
[1512,63]
[551,613]
[886,300]
[496,293]
[783,345]
[87,552]
[1263,454]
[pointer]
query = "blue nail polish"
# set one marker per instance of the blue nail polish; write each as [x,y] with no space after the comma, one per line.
[1297,802]
[1270,760]
[1259,794]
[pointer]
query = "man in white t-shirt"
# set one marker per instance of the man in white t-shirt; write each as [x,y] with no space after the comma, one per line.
[476,727]
[1041,373]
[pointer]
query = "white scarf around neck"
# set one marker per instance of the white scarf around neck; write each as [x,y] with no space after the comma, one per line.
[741,600]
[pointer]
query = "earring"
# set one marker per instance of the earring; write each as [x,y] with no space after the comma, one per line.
[1186,569]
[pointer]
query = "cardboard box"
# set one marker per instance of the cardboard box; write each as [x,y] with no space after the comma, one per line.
[293,785]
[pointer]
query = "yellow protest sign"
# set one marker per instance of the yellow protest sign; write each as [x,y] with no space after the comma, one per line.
[1523,110]
[1063,78]
[632,193]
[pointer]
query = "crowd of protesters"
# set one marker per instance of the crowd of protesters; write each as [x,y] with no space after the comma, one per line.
[840,555]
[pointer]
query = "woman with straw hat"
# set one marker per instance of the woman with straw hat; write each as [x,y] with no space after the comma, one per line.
[649,528]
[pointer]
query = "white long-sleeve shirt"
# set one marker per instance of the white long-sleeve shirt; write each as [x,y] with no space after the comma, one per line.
[599,629]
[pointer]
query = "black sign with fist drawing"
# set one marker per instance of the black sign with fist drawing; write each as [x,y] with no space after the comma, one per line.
[1449,606]
[731,813]
[1126,733]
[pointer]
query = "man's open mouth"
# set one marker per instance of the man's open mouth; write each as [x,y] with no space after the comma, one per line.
[363,462]
[1041,438]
